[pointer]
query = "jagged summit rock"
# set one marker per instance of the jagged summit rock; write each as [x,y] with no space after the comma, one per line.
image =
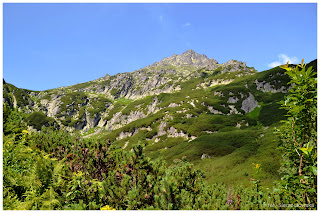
[188,58]
[234,66]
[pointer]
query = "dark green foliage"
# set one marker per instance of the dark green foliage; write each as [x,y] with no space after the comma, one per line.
[39,119]
[216,144]
[150,134]
[131,127]
[140,105]
[47,96]
[275,76]
[98,105]
[7,96]
[170,142]
[114,92]
[124,101]
[71,102]
[198,126]
[117,107]
[298,137]
[268,97]
[13,94]
[12,120]
[271,113]
[217,104]
[167,98]
[255,113]
[29,175]
[82,85]
[66,121]
[89,175]
[76,122]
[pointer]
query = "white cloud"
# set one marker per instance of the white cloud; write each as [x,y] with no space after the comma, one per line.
[286,58]
[274,64]
[187,24]
[283,59]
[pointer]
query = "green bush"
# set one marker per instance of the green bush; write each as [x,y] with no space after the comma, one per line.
[271,113]
[298,138]
[98,105]
[39,119]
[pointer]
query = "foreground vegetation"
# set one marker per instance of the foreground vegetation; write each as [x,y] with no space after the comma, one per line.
[52,169]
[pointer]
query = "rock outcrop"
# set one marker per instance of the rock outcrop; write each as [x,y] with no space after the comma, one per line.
[267,87]
[249,103]
[188,58]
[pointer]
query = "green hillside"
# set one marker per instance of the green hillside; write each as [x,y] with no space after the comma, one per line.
[129,141]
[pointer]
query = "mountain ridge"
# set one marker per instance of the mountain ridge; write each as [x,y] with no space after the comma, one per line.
[192,59]
[97,100]
[176,111]
[188,58]
[146,81]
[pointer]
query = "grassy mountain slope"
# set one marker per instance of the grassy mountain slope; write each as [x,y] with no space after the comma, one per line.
[220,117]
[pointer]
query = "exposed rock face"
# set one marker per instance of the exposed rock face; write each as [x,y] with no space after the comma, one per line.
[189,116]
[214,111]
[188,58]
[172,132]
[119,120]
[15,105]
[192,103]
[92,121]
[52,107]
[218,94]
[233,100]
[249,103]
[125,145]
[153,107]
[233,110]
[267,87]
[214,83]
[161,131]
[204,156]
[172,105]
[234,65]
[135,85]
[127,134]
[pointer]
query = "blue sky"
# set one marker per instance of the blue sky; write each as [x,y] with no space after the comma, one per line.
[46,46]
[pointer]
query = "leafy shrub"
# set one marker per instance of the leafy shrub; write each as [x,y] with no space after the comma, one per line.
[298,137]
[72,101]
[39,119]
[98,105]
[271,113]
[114,92]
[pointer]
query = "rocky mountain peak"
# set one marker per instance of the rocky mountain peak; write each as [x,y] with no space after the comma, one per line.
[188,58]
[189,52]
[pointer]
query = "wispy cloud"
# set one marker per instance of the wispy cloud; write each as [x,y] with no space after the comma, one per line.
[283,59]
[187,24]
[274,64]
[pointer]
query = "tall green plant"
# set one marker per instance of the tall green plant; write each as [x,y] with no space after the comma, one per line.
[298,138]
